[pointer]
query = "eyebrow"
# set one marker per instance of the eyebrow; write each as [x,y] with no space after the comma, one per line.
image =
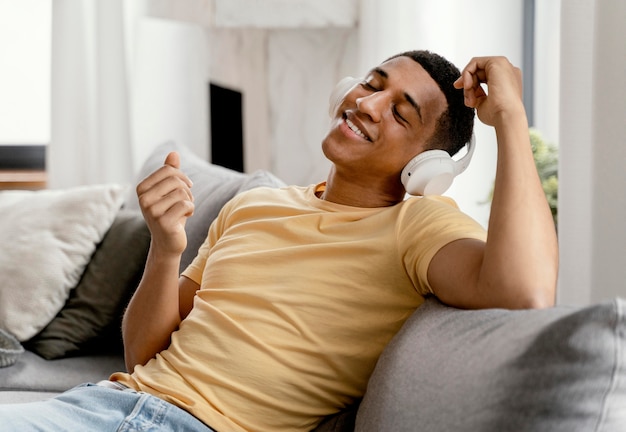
[407,96]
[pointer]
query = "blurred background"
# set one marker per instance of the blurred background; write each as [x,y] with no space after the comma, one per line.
[88,88]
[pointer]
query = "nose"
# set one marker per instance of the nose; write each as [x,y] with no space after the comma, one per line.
[373,105]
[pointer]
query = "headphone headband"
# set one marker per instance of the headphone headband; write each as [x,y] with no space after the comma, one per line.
[430,172]
[462,164]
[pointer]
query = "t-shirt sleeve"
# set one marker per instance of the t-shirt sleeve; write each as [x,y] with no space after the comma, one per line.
[195,269]
[427,225]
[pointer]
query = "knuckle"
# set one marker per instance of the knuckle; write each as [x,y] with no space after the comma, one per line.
[140,189]
[143,200]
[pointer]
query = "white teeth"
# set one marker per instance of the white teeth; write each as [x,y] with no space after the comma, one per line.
[355,129]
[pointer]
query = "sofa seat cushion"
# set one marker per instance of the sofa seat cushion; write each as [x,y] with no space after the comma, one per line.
[33,373]
[11,397]
[558,369]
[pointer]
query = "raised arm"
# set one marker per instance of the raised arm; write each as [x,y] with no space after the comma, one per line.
[162,298]
[517,266]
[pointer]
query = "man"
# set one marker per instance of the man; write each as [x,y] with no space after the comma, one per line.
[296,291]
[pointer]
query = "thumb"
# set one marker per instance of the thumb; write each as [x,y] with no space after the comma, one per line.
[173,159]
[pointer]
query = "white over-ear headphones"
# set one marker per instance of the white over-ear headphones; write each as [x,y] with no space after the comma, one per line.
[430,172]
[339,92]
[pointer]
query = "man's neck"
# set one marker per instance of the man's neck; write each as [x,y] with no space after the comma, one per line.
[360,193]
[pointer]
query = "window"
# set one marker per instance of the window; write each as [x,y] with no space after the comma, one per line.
[25,52]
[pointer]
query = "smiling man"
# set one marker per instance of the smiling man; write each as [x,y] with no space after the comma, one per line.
[281,317]
[382,124]
[410,104]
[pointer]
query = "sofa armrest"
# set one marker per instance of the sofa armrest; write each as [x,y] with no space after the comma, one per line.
[557,369]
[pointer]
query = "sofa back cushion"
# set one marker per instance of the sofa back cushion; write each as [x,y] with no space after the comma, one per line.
[558,369]
[213,186]
[90,319]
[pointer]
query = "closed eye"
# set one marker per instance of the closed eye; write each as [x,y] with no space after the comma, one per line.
[378,72]
[368,86]
[397,114]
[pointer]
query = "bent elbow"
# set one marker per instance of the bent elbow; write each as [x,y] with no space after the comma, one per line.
[521,294]
[537,296]
[538,302]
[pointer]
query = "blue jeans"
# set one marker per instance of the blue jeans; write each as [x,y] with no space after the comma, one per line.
[90,407]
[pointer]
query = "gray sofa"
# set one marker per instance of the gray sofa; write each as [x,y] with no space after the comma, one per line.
[560,369]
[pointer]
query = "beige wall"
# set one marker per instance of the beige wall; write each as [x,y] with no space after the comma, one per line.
[592,203]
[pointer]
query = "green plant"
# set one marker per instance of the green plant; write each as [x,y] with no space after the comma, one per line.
[546,156]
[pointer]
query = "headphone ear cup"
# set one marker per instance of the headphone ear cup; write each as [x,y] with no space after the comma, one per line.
[429,173]
[339,93]
[433,171]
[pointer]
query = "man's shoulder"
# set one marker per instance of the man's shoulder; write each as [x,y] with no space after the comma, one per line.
[434,211]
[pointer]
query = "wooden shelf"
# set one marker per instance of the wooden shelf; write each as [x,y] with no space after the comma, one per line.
[22,179]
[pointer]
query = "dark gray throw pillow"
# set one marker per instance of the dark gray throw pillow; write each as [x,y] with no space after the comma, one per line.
[91,317]
[560,369]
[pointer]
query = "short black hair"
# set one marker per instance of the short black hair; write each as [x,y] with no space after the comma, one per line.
[456,123]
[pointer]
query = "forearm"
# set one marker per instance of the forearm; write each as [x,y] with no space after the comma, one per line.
[517,266]
[153,312]
[520,260]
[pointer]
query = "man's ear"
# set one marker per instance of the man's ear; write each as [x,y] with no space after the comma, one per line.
[432,172]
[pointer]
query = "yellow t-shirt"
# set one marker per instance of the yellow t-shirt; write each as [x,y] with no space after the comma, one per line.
[298,298]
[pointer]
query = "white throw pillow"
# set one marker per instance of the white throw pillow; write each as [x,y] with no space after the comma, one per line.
[46,240]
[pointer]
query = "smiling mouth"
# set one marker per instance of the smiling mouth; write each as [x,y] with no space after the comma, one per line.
[356,130]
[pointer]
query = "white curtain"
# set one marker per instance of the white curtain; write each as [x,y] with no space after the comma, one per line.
[90,98]
[123,81]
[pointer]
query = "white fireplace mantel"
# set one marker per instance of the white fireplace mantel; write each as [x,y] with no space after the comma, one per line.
[284,56]
[263,14]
